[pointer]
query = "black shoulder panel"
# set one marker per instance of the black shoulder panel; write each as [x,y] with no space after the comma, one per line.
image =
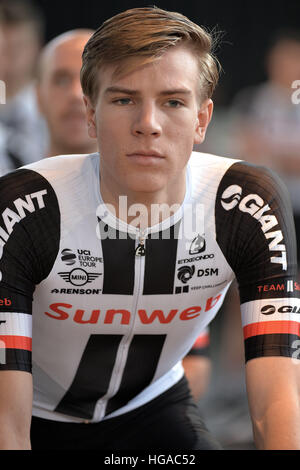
[29,236]
[255,228]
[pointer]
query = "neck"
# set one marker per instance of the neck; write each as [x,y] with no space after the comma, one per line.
[145,209]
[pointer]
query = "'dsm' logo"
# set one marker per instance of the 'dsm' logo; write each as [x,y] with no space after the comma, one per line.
[185,273]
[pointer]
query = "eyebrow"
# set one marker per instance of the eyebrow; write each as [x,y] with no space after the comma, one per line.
[127,91]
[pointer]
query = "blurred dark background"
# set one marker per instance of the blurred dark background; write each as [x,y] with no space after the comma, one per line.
[245,29]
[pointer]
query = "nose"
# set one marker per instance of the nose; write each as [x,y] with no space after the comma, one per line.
[146,121]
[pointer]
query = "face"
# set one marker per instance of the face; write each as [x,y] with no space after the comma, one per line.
[60,97]
[21,53]
[284,63]
[146,124]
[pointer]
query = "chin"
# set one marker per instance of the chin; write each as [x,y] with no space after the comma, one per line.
[147,184]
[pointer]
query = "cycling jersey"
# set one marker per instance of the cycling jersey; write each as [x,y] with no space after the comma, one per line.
[112,311]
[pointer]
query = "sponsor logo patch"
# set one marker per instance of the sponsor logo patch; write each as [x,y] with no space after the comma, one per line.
[79,277]
[254,205]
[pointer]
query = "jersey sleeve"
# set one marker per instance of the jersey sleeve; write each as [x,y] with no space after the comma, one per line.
[200,347]
[29,239]
[255,230]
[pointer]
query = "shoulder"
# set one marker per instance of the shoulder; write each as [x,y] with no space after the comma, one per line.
[254,218]
[247,179]
[64,166]
[255,190]
[33,193]
[234,175]
[207,161]
[205,173]
[54,174]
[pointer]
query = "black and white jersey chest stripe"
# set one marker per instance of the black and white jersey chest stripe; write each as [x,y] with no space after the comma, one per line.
[160,262]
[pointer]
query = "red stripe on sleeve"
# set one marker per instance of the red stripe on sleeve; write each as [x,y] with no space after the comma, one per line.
[269,327]
[202,341]
[16,342]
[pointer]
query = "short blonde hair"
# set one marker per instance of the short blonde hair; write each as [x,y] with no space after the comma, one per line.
[146,33]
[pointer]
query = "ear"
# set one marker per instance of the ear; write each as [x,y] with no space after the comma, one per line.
[203,119]
[91,120]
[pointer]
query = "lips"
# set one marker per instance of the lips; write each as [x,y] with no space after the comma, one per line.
[147,153]
[146,158]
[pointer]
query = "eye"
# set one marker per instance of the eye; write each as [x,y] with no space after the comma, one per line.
[122,101]
[174,103]
[62,80]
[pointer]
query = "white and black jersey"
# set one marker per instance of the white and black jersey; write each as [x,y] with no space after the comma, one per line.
[111,312]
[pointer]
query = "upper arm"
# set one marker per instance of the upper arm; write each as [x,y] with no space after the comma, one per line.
[29,240]
[261,249]
[28,222]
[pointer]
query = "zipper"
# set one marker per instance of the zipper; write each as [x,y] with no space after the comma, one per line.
[116,377]
[141,248]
